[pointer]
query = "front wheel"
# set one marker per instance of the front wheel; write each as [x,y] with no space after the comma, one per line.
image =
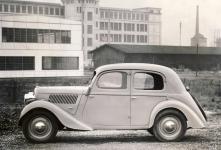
[39,127]
[169,125]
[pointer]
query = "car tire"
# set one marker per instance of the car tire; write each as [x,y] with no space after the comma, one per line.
[39,127]
[169,126]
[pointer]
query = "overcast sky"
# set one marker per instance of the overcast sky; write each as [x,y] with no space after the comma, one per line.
[174,11]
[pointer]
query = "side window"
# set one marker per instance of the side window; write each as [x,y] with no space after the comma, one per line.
[148,81]
[113,80]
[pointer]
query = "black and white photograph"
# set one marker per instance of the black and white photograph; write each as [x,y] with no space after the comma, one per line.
[110,74]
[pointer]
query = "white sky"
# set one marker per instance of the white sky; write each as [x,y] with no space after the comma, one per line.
[174,11]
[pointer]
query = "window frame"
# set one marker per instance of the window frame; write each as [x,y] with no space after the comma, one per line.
[151,73]
[124,84]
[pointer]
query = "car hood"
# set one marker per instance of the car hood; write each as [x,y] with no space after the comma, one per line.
[44,92]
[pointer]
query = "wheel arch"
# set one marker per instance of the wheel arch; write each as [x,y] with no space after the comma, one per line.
[65,118]
[191,117]
[42,110]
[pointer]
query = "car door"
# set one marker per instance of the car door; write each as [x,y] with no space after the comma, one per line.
[147,90]
[108,105]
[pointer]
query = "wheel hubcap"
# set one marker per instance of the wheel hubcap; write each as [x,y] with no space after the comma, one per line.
[40,128]
[169,127]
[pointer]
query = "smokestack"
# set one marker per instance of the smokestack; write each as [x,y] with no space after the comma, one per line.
[197,20]
[180,33]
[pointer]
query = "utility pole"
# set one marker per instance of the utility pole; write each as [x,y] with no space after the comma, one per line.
[180,33]
[197,37]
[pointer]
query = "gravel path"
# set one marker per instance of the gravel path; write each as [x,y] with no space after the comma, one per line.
[200,139]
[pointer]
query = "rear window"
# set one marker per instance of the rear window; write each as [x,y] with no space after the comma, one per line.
[148,81]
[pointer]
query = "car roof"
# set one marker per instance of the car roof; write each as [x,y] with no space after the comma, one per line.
[135,66]
[174,84]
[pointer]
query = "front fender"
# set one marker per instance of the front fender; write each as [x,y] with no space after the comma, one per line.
[65,118]
[193,120]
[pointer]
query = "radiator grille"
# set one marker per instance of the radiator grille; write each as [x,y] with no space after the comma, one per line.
[63,98]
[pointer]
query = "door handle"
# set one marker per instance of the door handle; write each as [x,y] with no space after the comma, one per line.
[91,96]
[133,97]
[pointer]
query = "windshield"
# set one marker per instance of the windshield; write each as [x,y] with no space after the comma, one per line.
[94,73]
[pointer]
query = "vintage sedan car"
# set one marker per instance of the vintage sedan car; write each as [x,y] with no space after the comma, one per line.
[119,96]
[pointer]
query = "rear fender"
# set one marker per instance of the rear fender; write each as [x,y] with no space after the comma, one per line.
[65,118]
[193,120]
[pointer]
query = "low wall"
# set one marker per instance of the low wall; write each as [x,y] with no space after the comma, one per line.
[207,90]
[13,90]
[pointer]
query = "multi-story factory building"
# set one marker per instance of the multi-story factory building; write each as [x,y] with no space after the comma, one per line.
[41,38]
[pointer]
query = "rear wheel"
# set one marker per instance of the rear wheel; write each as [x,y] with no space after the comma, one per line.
[169,125]
[39,127]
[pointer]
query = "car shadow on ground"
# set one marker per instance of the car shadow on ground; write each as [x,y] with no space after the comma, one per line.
[121,139]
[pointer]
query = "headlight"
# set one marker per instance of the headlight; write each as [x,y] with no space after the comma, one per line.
[29,97]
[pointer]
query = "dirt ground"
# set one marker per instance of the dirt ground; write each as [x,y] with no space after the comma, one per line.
[198,139]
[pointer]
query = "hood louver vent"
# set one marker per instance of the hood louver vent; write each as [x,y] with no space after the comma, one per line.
[63,98]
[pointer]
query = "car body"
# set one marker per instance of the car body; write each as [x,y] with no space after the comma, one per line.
[120,96]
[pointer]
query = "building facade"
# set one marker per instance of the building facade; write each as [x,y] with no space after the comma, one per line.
[53,38]
[102,25]
[37,41]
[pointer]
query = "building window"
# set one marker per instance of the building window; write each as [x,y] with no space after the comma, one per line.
[17,63]
[40,10]
[51,11]
[133,16]
[0,7]
[35,35]
[106,14]
[60,63]
[142,27]
[18,9]
[89,16]
[89,29]
[145,27]
[30,9]
[115,15]
[12,8]
[138,17]
[138,27]
[120,15]
[89,42]
[103,37]
[20,35]
[35,10]
[138,39]
[46,11]
[129,16]
[146,17]
[141,17]
[111,14]
[125,15]
[102,14]
[5,7]
[96,10]
[23,8]
[62,11]
[57,11]
[96,24]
